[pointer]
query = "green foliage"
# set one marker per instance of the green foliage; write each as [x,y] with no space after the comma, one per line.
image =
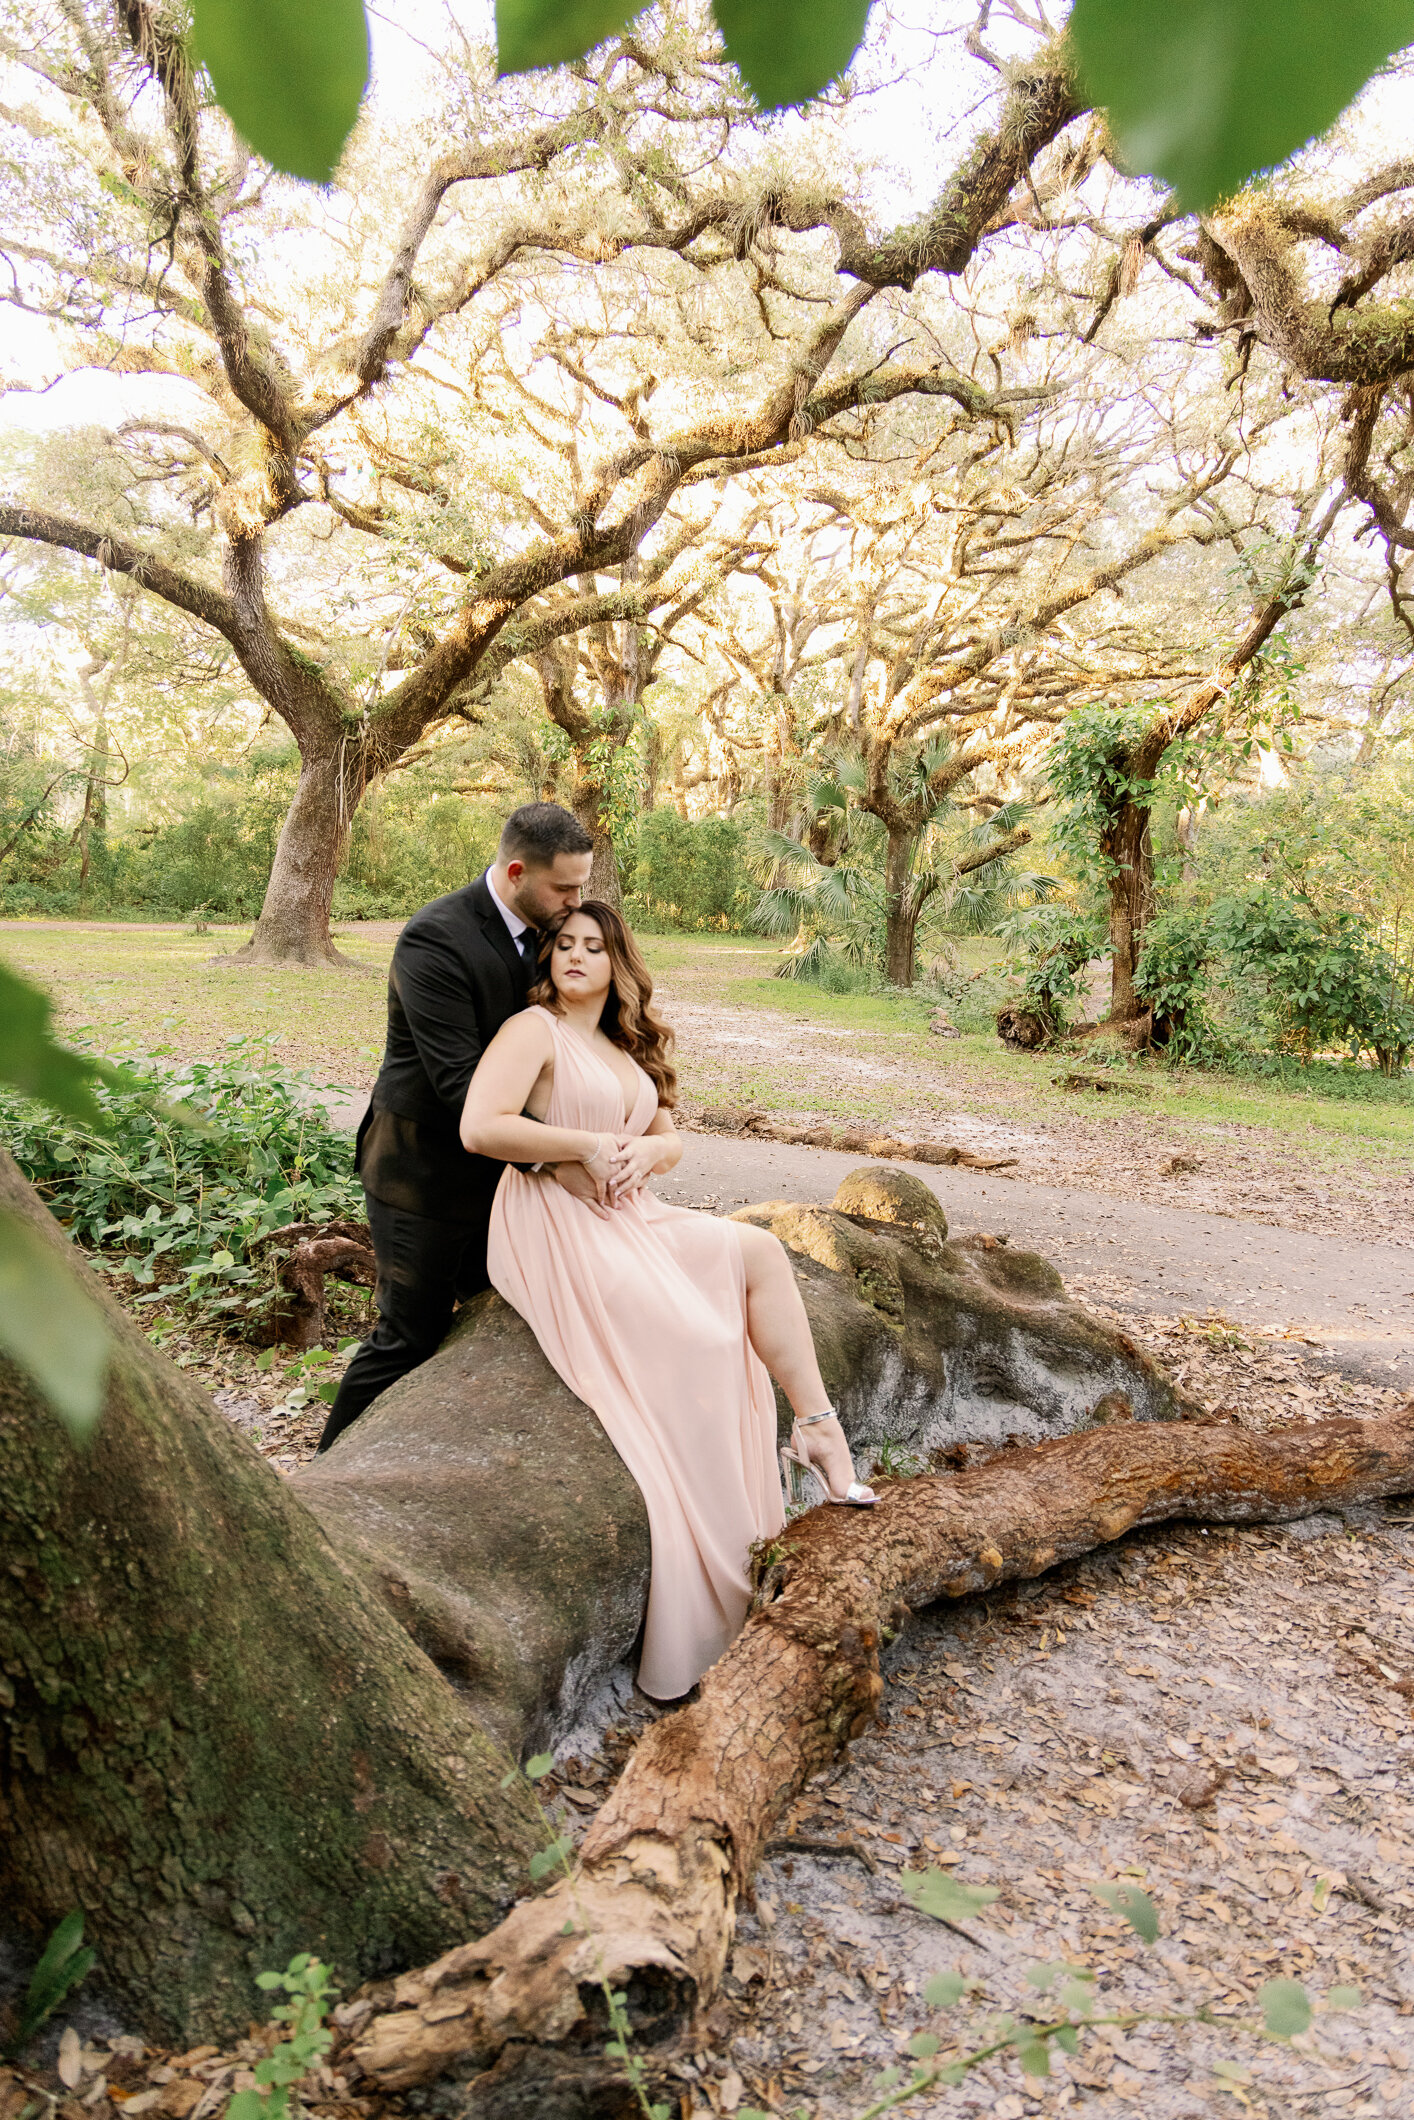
[1091,779]
[64,1965]
[1091,771]
[940,1894]
[33,1061]
[786,54]
[1328,983]
[832,912]
[411,841]
[531,33]
[789,51]
[1133,1906]
[836,899]
[306,1981]
[184,1207]
[688,875]
[1172,978]
[1340,837]
[1286,2008]
[290,74]
[46,1324]
[1206,94]
[50,1327]
[1052,946]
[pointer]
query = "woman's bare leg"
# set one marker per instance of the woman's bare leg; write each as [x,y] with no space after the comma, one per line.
[780,1332]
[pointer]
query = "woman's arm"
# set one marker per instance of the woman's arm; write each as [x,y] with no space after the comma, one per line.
[493,1121]
[649,1154]
[669,1141]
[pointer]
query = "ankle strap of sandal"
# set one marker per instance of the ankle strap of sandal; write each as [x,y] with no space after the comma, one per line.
[809,1420]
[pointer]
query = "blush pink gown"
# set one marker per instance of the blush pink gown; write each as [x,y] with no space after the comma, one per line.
[641,1309]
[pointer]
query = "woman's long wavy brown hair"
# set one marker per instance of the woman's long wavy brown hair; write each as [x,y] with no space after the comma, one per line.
[628,1017]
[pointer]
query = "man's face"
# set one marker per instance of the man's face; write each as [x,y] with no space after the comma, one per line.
[539,894]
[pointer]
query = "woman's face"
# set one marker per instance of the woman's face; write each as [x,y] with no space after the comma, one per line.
[579,962]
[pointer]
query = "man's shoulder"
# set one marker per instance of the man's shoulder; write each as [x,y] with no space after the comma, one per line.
[454,915]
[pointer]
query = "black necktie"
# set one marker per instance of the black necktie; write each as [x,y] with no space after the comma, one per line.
[530,950]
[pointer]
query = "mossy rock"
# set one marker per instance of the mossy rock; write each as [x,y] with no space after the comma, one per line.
[877,1193]
[930,1345]
[497,1521]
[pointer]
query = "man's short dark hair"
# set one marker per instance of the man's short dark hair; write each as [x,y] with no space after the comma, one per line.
[538,831]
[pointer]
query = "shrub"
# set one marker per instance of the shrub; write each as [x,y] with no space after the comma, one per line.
[1172,978]
[183,1208]
[690,875]
[1054,945]
[1327,982]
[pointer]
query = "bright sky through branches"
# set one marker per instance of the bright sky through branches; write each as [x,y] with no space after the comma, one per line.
[916,91]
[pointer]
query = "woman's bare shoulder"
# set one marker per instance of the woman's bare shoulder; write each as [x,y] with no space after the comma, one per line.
[525,1034]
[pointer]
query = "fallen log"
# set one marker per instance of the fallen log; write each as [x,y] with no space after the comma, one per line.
[652,1905]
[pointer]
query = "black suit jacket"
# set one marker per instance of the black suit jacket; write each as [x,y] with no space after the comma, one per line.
[455,978]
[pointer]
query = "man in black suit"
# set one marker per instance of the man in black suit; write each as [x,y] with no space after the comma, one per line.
[462,966]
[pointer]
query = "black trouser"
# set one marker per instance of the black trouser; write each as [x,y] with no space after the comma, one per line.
[425,1269]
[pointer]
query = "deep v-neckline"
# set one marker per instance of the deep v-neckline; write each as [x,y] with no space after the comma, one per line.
[611,1072]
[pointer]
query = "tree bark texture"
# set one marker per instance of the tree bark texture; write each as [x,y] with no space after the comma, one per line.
[1130,848]
[587,802]
[904,906]
[214,1740]
[293,928]
[652,1905]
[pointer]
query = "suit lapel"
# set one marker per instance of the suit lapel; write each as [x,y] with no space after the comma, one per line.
[494,928]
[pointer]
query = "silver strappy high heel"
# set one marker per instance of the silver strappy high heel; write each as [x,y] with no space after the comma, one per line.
[802,1476]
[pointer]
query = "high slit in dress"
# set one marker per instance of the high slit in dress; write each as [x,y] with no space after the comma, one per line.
[641,1309]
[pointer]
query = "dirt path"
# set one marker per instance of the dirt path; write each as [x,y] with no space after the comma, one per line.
[1320,1178]
[1352,1302]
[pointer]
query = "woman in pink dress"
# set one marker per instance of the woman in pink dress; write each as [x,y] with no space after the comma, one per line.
[663,1320]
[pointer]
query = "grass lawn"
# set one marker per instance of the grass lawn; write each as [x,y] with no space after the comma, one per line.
[736,973]
[149,989]
[156,990]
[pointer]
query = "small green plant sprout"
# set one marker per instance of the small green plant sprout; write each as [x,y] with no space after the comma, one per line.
[895,1461]
[302,1371]
[306,1981]
[1067,2005]
[63,1966]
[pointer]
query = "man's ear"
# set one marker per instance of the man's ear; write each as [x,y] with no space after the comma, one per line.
[514,871]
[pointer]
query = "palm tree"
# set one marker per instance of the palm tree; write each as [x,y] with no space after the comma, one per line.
[855,890]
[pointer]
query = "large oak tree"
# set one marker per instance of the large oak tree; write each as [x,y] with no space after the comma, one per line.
[398,366]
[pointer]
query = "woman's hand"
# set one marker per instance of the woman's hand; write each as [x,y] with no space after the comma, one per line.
[600,1168]
[634,1160]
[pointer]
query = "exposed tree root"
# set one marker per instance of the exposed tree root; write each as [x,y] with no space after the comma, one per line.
[344,1249]
[316,954]
[653,1904]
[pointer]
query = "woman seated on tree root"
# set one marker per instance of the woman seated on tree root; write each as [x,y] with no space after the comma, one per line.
[663,1320]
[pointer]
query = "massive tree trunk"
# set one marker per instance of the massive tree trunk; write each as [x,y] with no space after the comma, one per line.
[293,928]
[652,1905]
[1129,847]
[587,802]
[215,1741]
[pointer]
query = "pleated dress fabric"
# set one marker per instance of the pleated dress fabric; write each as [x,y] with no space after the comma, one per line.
[641,1309]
